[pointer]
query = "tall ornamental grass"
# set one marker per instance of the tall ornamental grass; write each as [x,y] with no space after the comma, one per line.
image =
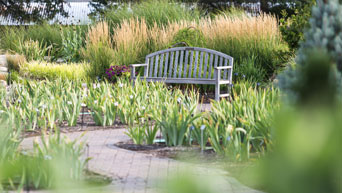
[245,37]
[254,42]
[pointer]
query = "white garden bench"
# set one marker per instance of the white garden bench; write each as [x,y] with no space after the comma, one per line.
[188,65]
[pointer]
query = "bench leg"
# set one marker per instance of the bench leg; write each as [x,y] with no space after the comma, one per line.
[217,92]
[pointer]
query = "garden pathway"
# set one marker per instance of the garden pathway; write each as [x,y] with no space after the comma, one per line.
[138,172]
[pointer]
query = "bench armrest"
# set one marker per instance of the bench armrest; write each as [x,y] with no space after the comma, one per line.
[223,67]
[133,66]
[217,71]
[138,65]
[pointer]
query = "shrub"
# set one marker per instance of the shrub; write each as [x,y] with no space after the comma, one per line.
[292,28]
[190,36]
[53,71]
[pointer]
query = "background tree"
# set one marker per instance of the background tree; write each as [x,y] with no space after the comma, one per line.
[24,11]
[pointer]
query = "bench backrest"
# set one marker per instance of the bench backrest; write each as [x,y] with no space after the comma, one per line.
[188,62]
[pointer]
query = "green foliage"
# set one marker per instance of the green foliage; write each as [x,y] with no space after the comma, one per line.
[32,50]
[191,36]
[100,57]
[60,41]
[72,42]
[101,101]
[52,71]
[175,117]
[306,153]
[236,129]
[161,12]
[10,38]
[292,28]
[249,70]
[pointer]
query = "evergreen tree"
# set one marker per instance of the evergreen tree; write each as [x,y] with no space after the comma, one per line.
[324,38]
[23,11]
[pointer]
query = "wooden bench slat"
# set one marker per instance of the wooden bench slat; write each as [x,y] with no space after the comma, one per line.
[171,64]
[211,65]
[176,65]
[181,64]
[186,63]
[200,66]
[215,64]
[156,66]
[196,63]
[230,74]
[205,65]
[220,64]
[225,71]
[161,65]
[166,64]
[151,66]
[191,62]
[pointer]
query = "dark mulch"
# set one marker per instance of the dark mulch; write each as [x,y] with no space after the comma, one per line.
[83,124]
[184,153]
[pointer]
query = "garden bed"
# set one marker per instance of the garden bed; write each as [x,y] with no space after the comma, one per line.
[183,153]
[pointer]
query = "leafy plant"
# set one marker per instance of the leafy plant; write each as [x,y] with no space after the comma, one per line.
[174,119]
[245,125]
[72,42]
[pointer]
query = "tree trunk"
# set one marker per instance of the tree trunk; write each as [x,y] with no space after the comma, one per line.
[264,6]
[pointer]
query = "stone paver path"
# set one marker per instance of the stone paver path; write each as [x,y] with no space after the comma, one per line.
[138,172]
